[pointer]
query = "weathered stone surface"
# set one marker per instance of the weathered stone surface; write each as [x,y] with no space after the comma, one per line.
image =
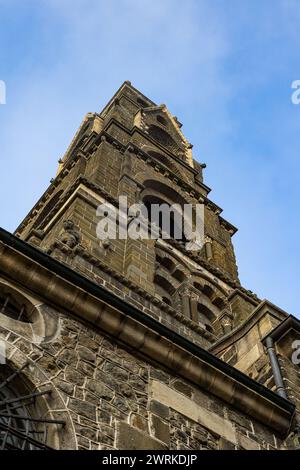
[139,422]
[241,420]
[201,436]
[121,404]
[104,417]
[130,438]
[159,375]
[85,354]
[83,442]
[159,409]
[69,356]
[73,376]
[83,408]
[89,433]
[137,384]
[188,408]
[247,443]
[66,387]
[160,429]
[226,445]
[182,387]
[117,372]
[100,389]
[86,369]
[89,343]
[126,390]
[108,379]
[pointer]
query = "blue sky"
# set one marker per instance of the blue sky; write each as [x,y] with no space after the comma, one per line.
[224,67]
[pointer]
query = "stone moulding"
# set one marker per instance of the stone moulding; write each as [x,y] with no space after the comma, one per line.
[104,136]
[79,250]
[265,307]
[72,292]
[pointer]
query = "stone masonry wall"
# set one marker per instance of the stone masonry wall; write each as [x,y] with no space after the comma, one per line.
[114,399]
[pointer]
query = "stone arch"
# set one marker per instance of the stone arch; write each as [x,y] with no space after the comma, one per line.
[48,410]
[174,224]
[42,324]
[211,298]
[168,162]
[165,280]
[167,253]
[201,278]
[141,177]
[208,309]
[201,301]
[161,120]
[171,264]
[179,274]
[163,137]
[163,288]
[169,275]
[158,187]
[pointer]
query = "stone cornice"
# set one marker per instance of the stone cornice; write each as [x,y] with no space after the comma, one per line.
[187,188]
[100,191]
[50,190]
[248,295]
[290,323]
[195,257]
[237,333]
[79,250]
[205,264]
[68,290]
[92,144]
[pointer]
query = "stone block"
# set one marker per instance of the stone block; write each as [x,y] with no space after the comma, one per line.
[190,409]
[100,389]
[130,438]
[159,409]
[83,408]
[160,429]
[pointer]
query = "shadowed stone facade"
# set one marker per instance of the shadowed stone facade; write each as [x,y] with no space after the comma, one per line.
[136,344]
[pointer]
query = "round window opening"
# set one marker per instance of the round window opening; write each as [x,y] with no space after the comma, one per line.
[15,305]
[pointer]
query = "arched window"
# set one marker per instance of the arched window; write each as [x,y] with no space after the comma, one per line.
[14,431]
[13,308]
[165,208]
[21,424]
[205,314]
[162,136]
[165,217]
[164,288]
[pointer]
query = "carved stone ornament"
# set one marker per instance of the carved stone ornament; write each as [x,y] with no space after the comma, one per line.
[70,235]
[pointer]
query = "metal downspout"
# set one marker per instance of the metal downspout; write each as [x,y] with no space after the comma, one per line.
[275,368]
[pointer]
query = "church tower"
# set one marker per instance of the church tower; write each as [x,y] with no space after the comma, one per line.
[137,343]
[135,148]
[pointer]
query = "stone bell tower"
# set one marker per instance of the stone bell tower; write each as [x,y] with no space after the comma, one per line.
[137,149]
[137,343]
